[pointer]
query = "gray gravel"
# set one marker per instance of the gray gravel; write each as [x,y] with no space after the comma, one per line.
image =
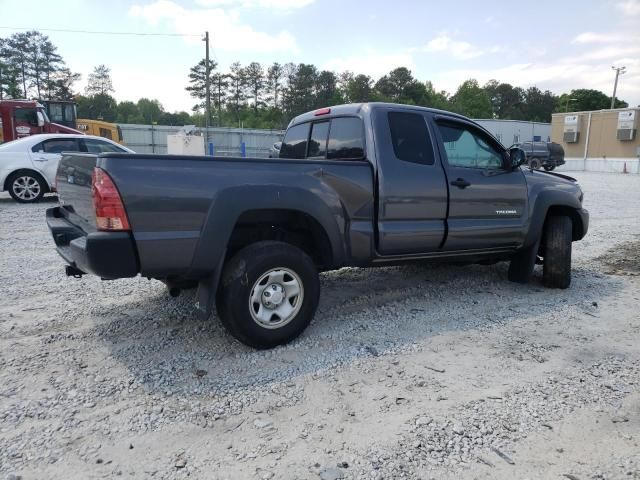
[418,371]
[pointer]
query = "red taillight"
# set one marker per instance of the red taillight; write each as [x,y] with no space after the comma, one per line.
[322,111]
[110,213]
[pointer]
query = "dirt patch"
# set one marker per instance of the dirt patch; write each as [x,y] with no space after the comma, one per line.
[623,259]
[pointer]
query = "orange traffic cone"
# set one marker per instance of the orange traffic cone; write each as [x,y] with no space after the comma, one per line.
[624,170]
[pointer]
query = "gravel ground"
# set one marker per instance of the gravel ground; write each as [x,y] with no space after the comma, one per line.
[406,372]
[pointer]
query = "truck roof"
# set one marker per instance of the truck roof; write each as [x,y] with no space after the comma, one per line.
[356,108]
[20,103]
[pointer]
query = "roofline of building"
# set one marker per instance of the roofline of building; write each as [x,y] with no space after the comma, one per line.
[601,110]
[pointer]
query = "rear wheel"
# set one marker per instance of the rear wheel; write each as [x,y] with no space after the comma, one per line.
[557,252]
[534,163]
[269,294]
[548,168]
[26,187]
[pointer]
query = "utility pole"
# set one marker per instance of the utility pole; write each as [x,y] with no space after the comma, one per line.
[206,82]
[619,71]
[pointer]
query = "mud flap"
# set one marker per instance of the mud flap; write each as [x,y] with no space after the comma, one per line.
[523,262]
[207,289]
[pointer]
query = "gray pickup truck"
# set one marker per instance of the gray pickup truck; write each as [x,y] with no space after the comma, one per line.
[354,185]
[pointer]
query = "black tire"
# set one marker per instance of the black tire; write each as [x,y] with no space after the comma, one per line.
[548,168]
[26,186]
[557,252]
[240,280]
[534,163]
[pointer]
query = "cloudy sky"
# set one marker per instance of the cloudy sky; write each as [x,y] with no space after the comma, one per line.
[556,45]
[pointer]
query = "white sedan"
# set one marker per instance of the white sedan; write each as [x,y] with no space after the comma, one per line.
[28,165]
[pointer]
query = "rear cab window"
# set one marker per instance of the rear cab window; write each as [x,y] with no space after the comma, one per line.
[318,140]
[339,138]
[346,139]
[295,141]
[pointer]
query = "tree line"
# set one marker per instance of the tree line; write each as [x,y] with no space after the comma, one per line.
[261,96]
[268,97]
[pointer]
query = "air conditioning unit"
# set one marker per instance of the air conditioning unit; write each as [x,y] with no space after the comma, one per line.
[571,137]
[624,134]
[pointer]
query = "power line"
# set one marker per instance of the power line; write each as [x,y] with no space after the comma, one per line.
[94,32]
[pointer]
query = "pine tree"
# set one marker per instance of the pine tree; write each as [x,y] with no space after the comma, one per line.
[275,76]
[99,81]
[254,75]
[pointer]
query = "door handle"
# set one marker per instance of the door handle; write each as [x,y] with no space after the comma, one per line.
[40,159]
[460,183]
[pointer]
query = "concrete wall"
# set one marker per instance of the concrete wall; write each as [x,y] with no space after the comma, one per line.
[597,148]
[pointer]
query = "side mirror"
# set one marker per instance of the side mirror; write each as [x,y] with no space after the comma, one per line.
[40,119]
[517,157]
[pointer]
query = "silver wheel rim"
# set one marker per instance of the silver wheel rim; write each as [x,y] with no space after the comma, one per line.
[26,188]
[276,298]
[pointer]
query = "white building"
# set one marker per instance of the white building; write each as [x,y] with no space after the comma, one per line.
[509,132]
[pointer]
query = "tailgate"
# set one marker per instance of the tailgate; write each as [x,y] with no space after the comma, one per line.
[107,254]
[73,182]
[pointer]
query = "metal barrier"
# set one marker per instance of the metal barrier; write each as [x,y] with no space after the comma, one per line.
[227,142]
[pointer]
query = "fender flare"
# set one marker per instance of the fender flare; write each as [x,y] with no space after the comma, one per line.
[229,204]
[539,209]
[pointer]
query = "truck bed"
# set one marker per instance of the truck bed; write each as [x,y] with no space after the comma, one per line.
[180,207]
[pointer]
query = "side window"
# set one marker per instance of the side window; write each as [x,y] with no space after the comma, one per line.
[60,145]
[55,112]
[97,146]
[69,112]
[345,139]
[106,133]
[466,148]
[318,140]
[410,138]
[38,147]
[27,115]
[294,144]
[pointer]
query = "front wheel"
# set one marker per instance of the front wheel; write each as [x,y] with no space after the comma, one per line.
[26,187]
[557,252]
[269,294]
[548,168]
[534,163]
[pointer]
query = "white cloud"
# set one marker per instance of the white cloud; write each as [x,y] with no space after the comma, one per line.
[592,37]
[458,49]
[228,33]
[630,8]
[371,63]
[608,53]
[279,4]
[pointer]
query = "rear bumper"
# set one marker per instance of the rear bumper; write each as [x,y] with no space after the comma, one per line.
[108,255]
[554,162]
